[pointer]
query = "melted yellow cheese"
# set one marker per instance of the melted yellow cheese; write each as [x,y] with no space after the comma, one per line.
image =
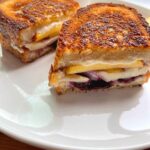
[83,68]
[148,20]
[48,31]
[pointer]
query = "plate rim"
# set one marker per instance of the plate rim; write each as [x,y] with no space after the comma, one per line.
[48,145]
[10,131]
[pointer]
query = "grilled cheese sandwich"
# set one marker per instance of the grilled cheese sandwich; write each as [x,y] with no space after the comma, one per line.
[103,46]
[32,26]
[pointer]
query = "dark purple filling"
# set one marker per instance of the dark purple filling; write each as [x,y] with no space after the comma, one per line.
[128,80]
[99,83]
[92,84]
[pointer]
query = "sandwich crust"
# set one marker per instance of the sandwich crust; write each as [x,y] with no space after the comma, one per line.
[21,18]
[16,15]
[105,32]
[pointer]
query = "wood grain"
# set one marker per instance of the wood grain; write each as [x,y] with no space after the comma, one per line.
[7,143]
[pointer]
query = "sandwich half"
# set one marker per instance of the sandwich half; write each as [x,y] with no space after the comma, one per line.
[102,46]
[30,27]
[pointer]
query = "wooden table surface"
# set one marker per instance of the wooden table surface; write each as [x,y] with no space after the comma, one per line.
[7,143]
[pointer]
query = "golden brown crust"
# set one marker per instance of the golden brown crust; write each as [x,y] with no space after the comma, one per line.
[105,29]
[16,15]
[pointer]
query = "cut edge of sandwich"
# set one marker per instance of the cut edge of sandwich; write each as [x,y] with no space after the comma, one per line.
[107,76]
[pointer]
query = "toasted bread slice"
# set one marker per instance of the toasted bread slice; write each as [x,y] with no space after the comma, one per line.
[27,23]
[101,37]
[103,32]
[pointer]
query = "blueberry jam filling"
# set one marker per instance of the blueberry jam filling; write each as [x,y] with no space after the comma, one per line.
[99,83]
[92,84]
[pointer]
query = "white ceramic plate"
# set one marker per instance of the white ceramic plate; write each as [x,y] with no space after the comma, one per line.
[29,111]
